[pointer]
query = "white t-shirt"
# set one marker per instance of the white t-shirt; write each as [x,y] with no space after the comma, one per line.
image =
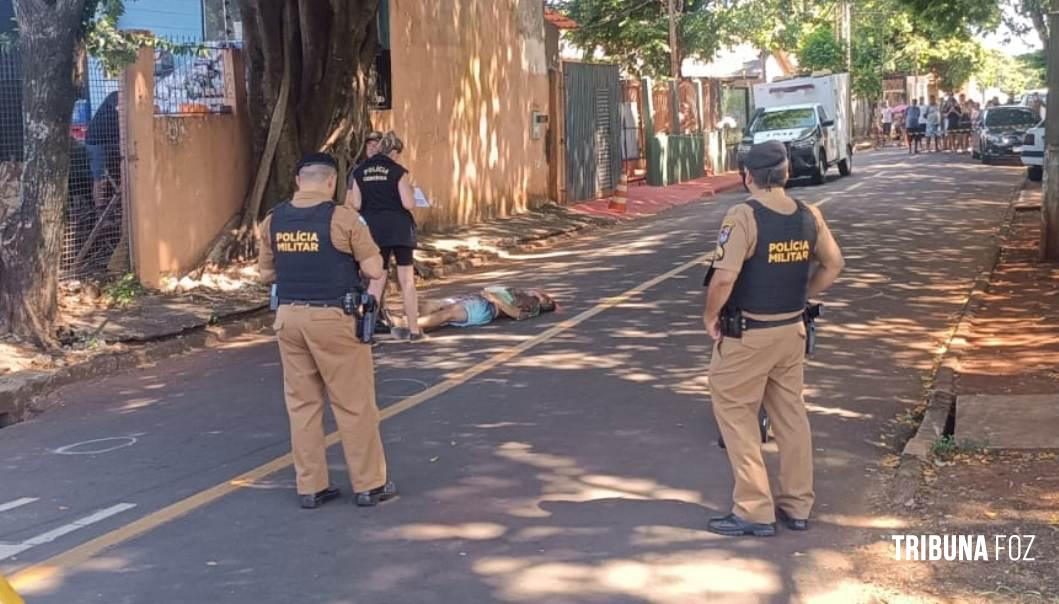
[887,116]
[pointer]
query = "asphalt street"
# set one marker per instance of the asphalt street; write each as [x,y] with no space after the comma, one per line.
[569,458]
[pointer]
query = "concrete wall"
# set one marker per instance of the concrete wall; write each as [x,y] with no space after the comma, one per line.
[187,175]
[466,76]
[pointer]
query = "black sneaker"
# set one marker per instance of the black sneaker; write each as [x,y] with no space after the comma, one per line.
[374,497]
[734,526]
[417,337]
[310,502]
[792,523]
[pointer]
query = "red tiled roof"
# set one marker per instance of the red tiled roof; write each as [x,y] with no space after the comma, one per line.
[558,19]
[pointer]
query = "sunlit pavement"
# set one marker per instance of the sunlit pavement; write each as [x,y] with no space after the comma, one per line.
[582,468]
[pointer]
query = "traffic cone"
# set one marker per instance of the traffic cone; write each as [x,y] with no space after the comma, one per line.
[617,203]
[7,593]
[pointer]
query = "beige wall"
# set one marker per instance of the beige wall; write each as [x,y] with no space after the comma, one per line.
[187,175]
[466,76]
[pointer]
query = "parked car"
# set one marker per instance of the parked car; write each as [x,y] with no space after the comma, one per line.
[1000,133]
[1033,152]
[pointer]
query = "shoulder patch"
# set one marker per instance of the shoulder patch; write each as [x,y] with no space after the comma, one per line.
[726,232]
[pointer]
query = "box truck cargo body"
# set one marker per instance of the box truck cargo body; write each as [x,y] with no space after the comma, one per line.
[810,116]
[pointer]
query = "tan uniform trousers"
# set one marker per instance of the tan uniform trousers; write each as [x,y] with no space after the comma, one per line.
[764,366]
[321,354]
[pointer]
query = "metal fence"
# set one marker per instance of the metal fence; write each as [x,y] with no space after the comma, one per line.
[95,231]
[192,78]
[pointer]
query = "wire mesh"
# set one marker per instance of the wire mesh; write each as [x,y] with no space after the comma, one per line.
[191,79]
[95,241]
[94,226]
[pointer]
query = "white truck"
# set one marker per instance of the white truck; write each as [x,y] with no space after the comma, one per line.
[810,115]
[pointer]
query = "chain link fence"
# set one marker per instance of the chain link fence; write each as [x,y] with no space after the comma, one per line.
[95,234]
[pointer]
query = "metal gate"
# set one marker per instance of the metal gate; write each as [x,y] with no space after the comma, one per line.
[593,130]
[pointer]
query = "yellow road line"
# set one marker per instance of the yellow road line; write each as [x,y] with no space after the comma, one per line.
[50,569]
[8,595]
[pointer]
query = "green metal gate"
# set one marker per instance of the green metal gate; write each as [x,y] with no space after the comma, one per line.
[593,130]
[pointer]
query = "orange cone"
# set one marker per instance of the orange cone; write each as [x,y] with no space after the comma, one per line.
[621,192]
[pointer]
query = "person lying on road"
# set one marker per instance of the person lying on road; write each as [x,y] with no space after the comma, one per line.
[483,307]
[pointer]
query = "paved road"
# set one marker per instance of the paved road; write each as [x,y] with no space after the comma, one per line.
[574,462]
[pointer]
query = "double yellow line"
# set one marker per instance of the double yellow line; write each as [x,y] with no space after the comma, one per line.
[50,570]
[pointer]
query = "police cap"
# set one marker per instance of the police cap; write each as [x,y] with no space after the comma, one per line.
[317,159]
[765,155]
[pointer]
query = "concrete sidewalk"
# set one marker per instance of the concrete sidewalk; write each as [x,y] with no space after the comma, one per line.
[647,201]
[464,248]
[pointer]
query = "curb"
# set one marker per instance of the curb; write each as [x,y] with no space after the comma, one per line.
[19,392]
[461,261]
[940,399]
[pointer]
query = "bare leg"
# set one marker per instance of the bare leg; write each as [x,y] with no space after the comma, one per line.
[443,315]
[407,278]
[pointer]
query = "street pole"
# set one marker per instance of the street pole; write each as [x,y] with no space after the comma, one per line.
[674,70]
[674,52]
[1050,207]
[847,32]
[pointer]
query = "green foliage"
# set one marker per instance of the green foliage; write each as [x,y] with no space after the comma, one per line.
[820,50]
[955,60]
[947,447]
[123,291]
[636,32]
[1035,66]
[1010,74]
[774,25]
[955,17]
[116,48]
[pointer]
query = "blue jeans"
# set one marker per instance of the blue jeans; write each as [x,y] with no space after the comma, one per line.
[97,161]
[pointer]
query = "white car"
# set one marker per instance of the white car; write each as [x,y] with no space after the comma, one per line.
[1033,152]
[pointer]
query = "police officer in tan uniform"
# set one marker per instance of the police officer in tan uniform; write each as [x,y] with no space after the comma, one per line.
[758,288]
[316,252]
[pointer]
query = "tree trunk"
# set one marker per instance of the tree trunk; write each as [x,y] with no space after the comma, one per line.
[309,65]
[31,236]
[1050,208]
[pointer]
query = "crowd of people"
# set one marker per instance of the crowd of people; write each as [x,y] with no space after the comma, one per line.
[930,124]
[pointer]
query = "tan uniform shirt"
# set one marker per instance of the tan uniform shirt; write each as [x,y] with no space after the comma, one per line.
[737,241]
[349,234]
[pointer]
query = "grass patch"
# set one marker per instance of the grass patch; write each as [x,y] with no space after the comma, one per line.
[947,447]
[124,291]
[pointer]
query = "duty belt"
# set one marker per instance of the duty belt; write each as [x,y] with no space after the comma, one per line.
[756,324]
[312,303]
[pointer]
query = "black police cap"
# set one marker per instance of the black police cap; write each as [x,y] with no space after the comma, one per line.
[765,155]
[317,159]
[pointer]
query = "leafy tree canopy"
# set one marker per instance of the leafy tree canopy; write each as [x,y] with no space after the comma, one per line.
[636,32]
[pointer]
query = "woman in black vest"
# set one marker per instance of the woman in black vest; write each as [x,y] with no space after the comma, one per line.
[381,191]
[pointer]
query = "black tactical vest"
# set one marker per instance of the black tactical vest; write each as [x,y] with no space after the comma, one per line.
[775,279]
[391,224]
[308,267]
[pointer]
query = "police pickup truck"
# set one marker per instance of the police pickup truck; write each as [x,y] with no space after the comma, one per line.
[810,115]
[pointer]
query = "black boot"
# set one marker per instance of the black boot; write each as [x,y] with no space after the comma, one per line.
[310,502]
[734,526]
[367,499]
